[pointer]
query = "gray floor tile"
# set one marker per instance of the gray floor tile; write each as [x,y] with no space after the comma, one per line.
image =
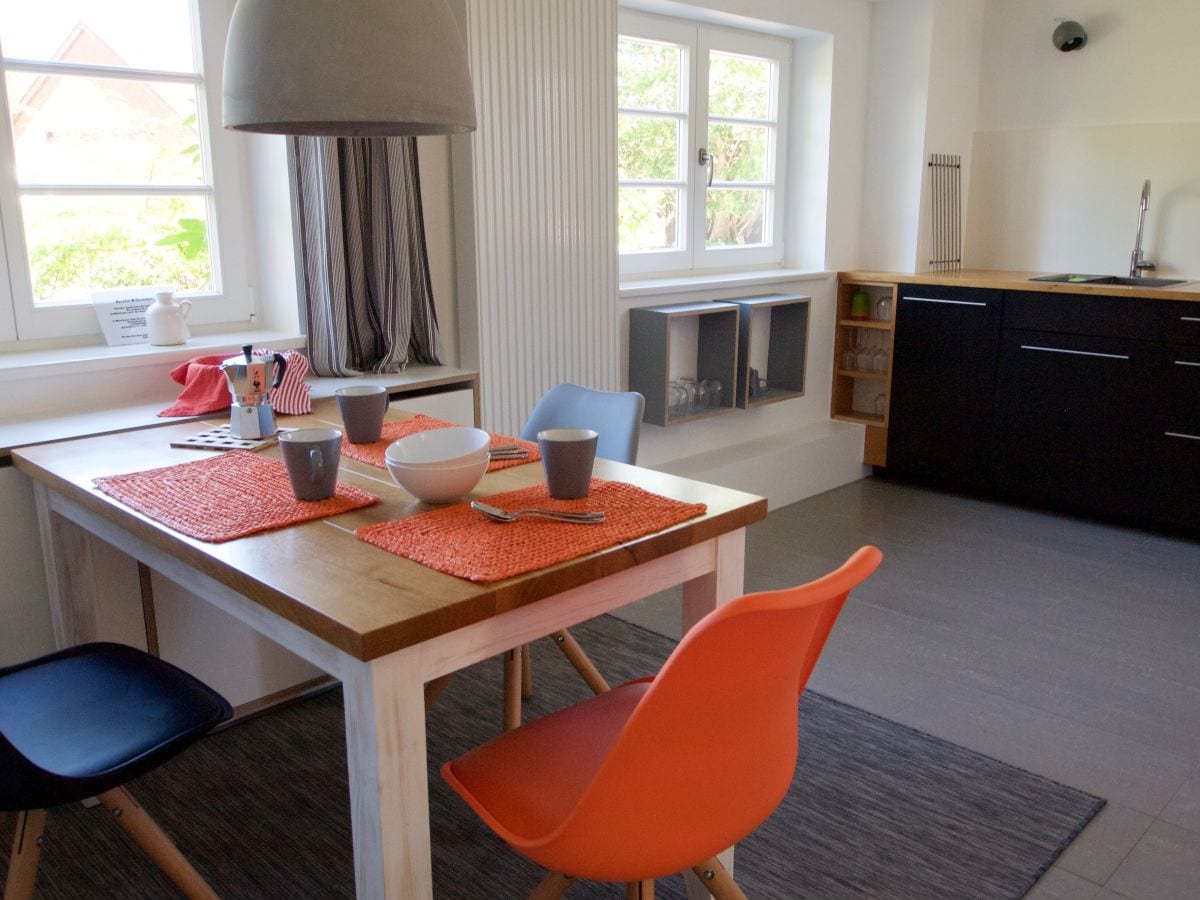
[1108,839]
[1059,885]
[1184,808]
[1162,866]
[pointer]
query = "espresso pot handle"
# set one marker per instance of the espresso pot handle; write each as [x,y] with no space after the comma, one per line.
[281,363]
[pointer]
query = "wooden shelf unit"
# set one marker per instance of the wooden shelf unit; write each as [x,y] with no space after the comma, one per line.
[851,386]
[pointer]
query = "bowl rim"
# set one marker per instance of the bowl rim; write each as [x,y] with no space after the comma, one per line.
[421,437]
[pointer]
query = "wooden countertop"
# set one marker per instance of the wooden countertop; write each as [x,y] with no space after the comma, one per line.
[1020,281]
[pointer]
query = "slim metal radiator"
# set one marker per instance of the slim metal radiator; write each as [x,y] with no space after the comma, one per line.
[945,208]
[544,200]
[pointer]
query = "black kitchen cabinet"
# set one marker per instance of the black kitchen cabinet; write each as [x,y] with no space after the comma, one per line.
[943,381]
[1173,460]
[1074,422]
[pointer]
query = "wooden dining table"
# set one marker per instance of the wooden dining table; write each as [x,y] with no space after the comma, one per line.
[380,623]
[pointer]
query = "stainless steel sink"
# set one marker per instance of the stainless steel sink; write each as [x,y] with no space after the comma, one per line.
[1110,279]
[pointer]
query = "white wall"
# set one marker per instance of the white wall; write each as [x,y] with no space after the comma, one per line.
[1065,139]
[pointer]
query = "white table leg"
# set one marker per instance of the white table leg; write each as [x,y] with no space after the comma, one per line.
[700,597]
[389,789]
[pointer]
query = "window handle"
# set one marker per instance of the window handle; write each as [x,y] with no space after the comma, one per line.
[706,159]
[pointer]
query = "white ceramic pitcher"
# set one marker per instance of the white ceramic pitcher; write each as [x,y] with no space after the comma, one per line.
[166,319]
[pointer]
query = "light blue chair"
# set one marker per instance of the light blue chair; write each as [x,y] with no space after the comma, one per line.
[616,417]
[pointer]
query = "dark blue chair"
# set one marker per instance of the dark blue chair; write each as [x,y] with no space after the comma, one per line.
[84,721]
[616,416]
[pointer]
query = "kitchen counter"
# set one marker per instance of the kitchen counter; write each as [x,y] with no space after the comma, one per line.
[1019,281]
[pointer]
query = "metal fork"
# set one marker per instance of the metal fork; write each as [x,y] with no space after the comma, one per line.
[504,515]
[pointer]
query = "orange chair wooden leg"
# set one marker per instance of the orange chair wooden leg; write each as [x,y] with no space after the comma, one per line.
[584,666]
[717,880]
[640,890]
[154,841]
[526,672]
[433,689]
[553,886]
[26,849]
[512,689]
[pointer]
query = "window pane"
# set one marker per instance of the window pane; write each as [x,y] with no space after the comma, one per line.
[75,130]
[647,218]
[144,34]
[648,75]
[734,217]
[739,86]
[739,151]
[80,244]
[647,149]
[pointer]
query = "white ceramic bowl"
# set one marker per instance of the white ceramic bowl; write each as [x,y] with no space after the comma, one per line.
[440,447]
[438,484]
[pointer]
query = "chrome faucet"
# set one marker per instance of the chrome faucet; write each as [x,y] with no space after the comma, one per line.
[1136,264]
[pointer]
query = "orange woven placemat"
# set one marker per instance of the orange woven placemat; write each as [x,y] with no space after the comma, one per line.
[225,497]
[373,454]
[460,541]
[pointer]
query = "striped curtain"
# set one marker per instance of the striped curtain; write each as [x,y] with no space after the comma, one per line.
[362,243]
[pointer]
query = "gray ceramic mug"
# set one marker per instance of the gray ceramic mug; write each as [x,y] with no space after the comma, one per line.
[568,455]
[311,456]
[362,407]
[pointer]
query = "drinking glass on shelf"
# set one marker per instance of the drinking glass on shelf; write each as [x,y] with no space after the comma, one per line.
[678,399]
[710,390]
[848,355]
[883,309]
[880,401]
[879,361]
[866,352]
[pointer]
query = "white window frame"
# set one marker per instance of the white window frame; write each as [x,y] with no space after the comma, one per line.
[231,301]
[697,40]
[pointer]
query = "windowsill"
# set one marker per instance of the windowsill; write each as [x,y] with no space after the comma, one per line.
[21,364]
[631,288]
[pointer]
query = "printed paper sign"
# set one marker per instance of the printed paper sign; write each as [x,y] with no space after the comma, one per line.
[122,314]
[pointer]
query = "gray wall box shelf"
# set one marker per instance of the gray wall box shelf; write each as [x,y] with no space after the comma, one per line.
[696,341]
[773,343]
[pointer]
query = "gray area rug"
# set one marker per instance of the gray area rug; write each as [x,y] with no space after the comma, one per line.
[876,809]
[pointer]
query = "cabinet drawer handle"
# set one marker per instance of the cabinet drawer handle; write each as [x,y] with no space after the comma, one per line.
[1186,362]
[1180,434]
[1189,318]
[951,302]
[1074,352]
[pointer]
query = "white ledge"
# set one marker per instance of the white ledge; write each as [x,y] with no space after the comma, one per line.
[644,287]
[22,364]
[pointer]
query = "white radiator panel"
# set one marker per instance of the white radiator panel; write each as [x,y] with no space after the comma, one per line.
[544,167]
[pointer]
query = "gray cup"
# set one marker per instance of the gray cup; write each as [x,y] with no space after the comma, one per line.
[568,455]
[362,408]
[311,456]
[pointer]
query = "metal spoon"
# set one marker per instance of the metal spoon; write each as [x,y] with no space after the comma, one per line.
[503,515]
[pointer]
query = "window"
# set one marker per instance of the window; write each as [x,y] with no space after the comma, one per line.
[111,143]
[700,146]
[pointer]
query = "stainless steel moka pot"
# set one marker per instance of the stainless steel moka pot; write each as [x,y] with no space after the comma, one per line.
[251,380]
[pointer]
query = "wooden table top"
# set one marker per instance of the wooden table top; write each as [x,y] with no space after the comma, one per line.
[319,575]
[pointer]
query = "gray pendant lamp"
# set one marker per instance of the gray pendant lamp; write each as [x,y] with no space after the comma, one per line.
[346,68]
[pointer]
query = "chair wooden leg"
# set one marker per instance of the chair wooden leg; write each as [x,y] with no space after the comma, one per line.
[433,689]
[717,880]
[640,890]
[553,886]
[526,672]
[26,849]
[154,841]
[584,666]
[512,689]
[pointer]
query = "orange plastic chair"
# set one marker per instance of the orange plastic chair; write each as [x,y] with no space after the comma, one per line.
[661,774]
